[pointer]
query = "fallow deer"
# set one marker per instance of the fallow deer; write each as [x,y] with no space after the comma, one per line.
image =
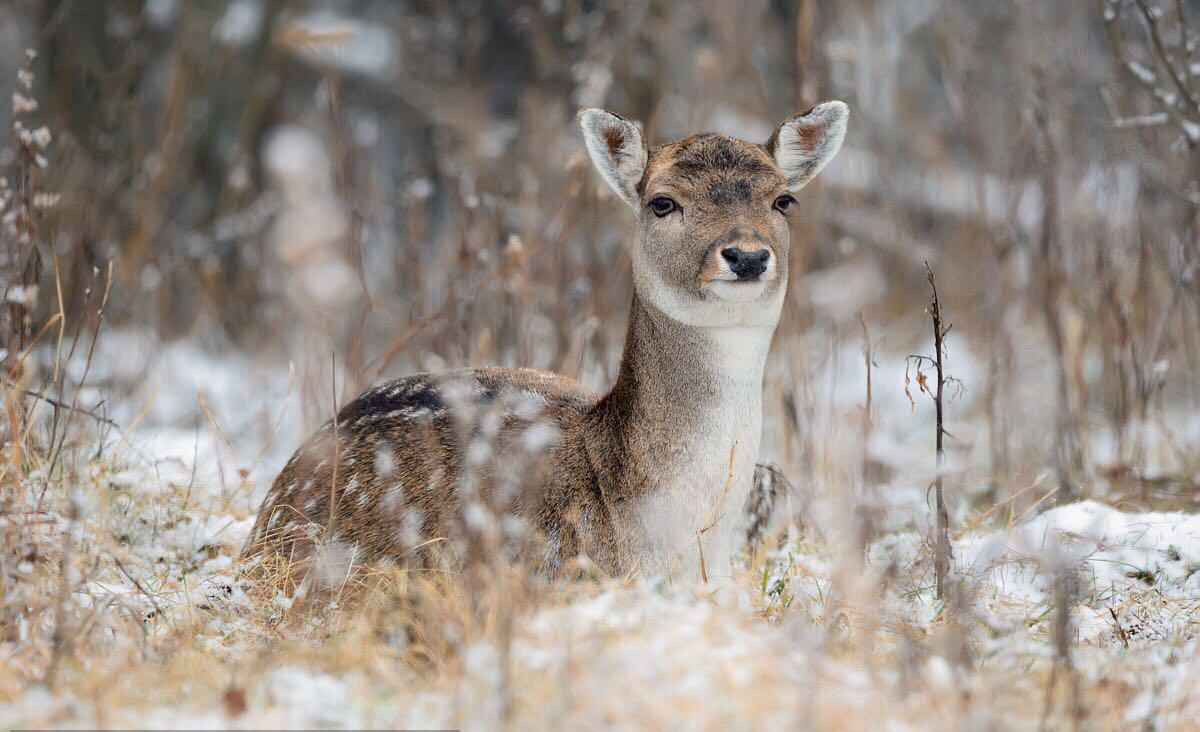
[652,476]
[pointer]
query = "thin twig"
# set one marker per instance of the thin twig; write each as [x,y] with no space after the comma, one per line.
[337,449]
[942,540]
[70,408]
[711,519]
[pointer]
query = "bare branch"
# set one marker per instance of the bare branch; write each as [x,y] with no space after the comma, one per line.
[1164,57]
[941,552]
[1144,77]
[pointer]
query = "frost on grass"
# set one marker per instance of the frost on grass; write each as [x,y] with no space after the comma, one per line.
[157,605]
[1137,575]
[788,645]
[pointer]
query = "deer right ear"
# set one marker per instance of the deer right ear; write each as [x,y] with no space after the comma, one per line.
[617,150]
[806,142]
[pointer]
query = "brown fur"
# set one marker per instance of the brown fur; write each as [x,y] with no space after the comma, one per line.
[399,453]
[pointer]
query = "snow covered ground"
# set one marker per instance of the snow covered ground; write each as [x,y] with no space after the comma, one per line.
[788,647]
[165,634]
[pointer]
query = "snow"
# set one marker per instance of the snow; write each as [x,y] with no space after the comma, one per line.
[1115,557]
[240,24]
[1191,129]
[1145,120]
[22,295]
[311,699]
[251,427]
[1144,75]
[646,652]
[775,649]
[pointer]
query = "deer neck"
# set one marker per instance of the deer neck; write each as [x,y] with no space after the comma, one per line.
[683,423]
[674,376]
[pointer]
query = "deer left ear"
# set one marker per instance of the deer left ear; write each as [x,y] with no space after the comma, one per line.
[617,150]
[805,143]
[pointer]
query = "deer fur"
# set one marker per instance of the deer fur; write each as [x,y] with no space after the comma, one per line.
[654,475]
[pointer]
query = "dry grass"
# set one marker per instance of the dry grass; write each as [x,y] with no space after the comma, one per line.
[248,231]
[158,628]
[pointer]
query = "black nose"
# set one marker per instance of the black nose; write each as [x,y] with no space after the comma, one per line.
[746,265]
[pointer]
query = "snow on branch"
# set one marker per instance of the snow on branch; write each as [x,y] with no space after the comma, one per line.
[1166,70]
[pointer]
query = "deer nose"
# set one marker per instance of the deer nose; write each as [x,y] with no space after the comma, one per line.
[746,265]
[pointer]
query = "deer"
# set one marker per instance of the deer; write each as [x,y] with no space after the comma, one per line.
[653,477]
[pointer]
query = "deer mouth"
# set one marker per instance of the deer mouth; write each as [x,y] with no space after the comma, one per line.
[738,290]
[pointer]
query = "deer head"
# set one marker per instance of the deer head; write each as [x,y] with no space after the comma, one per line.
[711,248]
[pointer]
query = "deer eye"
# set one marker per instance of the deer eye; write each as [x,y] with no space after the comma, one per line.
[783,203]
[662,205]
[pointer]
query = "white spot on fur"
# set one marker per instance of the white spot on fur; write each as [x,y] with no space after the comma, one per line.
[477,517]
[385,462]
[456,390]
[514,527]
[396,415]
[393,499]
[540,436]
[489,426]
[410,528]
[435,479]
[529,405]
[478,453]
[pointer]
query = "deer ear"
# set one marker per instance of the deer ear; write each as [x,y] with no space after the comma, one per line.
[617,150]
[806,142]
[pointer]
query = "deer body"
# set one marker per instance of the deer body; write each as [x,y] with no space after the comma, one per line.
[652,476]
